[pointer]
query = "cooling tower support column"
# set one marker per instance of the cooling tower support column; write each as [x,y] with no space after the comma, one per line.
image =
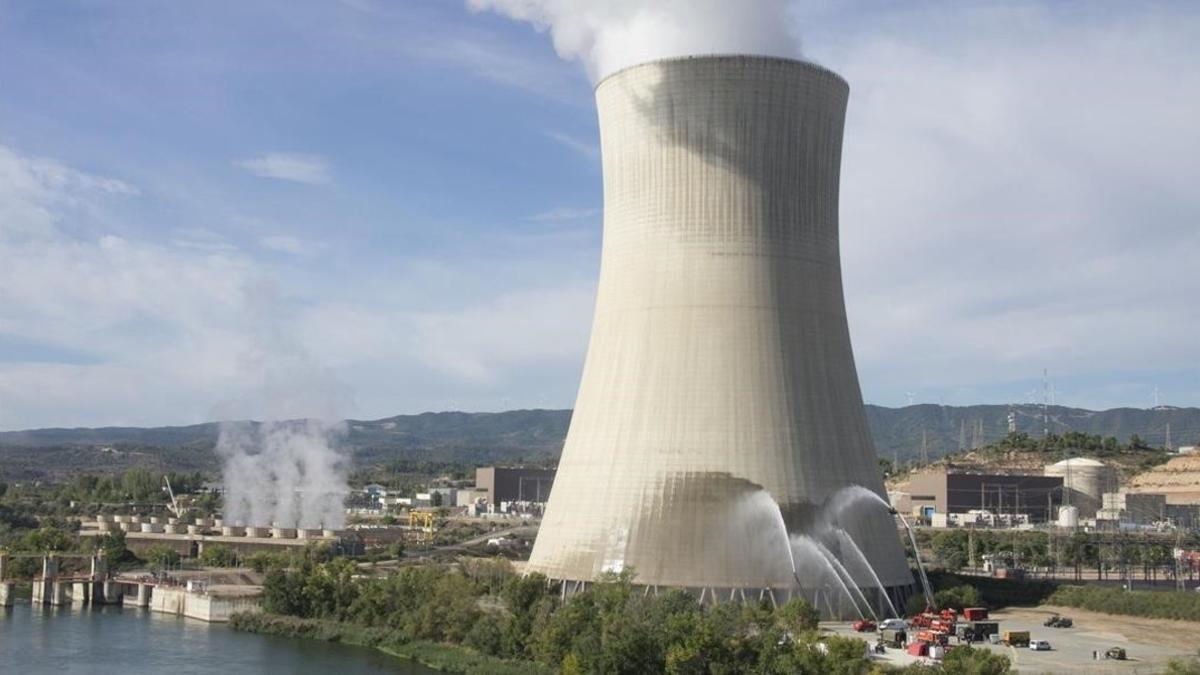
[719,378]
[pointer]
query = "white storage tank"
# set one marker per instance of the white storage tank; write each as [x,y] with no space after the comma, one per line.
[193,529]
[172,528]
[283,533]
[151,527]
[256,532]
[233,531]
[331,534]
[1068,516]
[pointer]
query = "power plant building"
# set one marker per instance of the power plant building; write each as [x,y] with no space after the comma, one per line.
[942,491]
[514,484]
[719,378]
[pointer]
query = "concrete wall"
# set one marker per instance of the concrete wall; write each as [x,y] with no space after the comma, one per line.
[719,377]
[211,608]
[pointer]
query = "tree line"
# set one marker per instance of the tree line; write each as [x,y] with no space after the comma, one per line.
[611,627]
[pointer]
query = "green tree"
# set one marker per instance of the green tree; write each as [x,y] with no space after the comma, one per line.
[963,660]
[161,556]
[798,616]
[216,555]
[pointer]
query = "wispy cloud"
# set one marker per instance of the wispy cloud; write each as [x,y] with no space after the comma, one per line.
[585,148]
[285,243]
[562,213]
[300,168]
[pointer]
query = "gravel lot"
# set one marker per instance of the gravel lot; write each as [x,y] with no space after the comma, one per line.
[1149,643]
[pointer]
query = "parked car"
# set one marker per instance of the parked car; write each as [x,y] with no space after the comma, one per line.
[1115,653]
[893,624]
[1039,645]
[864,626]
[1057,621]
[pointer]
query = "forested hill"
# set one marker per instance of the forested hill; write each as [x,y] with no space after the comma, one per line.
[538,435]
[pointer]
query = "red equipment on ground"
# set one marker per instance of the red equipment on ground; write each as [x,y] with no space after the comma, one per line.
[975,613]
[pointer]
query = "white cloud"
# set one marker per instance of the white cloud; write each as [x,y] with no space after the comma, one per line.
[1017,195]
[584,148]
[285,243]
[299,168]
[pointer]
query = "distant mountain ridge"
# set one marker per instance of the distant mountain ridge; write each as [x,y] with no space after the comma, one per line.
[538,434]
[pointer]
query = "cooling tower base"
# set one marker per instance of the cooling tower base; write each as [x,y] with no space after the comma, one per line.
[834,606]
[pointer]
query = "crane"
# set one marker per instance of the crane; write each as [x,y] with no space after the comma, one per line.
[174,503]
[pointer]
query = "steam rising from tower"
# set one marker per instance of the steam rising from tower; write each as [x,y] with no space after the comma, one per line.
[720,367]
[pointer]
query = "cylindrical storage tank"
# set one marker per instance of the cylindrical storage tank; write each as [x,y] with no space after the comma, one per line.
[193,529]
[201,522]
[256,532]
[101,518]
[156,520]
[1068,516]
[127,527]
[233,531]
[719,390]
[218,523]
[172,521]
[136,519]
[329,533]
[121,518]
[283,533]
[172,528]
[104,526]
[150,527]
[1085,481]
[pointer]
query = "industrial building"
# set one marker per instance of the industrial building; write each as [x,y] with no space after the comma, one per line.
[948,491]
[1132,508]
[189,539]
[1084,482]
[719,388]
[513,484]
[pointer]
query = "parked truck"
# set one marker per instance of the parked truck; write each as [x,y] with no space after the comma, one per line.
[1016,638]
[976,631]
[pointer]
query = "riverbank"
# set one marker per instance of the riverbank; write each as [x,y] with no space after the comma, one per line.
[446,658]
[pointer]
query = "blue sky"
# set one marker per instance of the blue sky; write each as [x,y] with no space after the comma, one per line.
[391,207]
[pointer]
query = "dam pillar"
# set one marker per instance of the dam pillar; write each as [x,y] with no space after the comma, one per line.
[81,592]
[6,587]
[143,595]
[43,587]
[112,593]
[60,593]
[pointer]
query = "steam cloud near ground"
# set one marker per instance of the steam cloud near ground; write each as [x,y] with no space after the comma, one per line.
[291,468]
[610,35]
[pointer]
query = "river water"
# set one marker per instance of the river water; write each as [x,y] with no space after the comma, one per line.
[130,641]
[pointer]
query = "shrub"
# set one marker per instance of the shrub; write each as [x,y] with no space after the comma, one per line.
[1183,605]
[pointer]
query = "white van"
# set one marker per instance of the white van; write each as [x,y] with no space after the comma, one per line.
[1039,645]
[893,624]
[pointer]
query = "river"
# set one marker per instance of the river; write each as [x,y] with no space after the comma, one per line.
[66,641]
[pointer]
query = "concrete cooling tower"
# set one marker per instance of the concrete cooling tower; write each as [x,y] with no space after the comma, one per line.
[719,378]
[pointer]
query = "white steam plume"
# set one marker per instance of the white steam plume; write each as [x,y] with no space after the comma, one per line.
[608,35]
[288,469]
